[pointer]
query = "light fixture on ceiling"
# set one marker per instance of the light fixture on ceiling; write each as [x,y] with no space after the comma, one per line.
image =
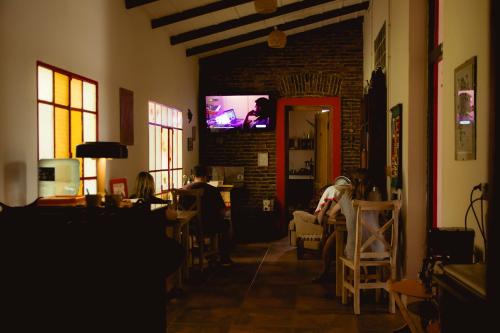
[265,6]
[276,39]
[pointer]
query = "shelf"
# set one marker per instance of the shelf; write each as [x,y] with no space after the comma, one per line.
[308,149]
[300,177]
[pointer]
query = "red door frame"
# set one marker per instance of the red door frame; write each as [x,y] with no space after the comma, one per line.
[282,144]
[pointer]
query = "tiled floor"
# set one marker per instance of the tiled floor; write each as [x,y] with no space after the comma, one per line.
[269,290]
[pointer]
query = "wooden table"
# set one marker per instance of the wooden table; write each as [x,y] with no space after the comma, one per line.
[411,288]
[341,232]
[180,228]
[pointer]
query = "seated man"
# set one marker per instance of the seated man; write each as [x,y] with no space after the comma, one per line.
[213,210]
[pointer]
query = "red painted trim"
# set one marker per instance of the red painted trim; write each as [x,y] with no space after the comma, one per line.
[281,144]
[435,155]
[435,133]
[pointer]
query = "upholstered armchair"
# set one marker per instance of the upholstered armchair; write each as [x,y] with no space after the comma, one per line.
[305,230]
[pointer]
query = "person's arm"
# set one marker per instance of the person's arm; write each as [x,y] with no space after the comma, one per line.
[246,122]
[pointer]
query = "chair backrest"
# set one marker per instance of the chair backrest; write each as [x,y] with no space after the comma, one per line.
[189,200]
[376,222]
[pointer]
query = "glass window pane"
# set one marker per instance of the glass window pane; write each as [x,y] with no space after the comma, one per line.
[76,131]
[158,113]
[179,119]
[164,181]
[89,96]
[174,149]
[179,149]
[169,121]
[61,133]
[164,148]
[164,115]
[151,111]
[90,167]
[45,131]
[170,179]
[90,186]
[175,118]
[151,147]
[89,127]
[157,178]
[45,84]
[61,87]
[76,93]
[158,148]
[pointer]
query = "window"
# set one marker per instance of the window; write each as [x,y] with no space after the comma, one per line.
[165,147]
[67,117]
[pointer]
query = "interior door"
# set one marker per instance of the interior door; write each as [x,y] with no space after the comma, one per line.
[323,168]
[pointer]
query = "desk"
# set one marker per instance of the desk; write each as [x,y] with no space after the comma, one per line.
[341,232]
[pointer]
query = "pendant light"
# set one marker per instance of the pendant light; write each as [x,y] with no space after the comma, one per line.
[276,39]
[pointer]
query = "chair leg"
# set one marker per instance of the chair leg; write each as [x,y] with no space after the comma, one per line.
[356,292]
[379,278]
[392,303]
[344,289]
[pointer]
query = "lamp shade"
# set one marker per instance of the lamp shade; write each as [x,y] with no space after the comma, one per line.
[265,6]
[102,149]
[276,39]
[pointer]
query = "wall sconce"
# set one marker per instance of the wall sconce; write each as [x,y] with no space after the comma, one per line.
[265,6]
[101,150]
[276,39]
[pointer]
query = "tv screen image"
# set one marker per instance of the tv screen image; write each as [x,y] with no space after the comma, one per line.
[238,112]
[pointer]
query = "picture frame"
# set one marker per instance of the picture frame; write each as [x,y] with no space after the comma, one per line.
[396,146]
[126,117]
[465,110]
[119,186]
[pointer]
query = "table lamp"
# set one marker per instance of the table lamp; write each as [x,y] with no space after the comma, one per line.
[101,151]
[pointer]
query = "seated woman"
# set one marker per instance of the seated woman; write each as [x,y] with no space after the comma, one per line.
[145,189]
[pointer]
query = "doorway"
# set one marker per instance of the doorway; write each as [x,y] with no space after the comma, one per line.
[320,130]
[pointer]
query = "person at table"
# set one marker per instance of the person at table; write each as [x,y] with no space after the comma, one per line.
[145,189]
[259,117]
[343,204]
[213,211]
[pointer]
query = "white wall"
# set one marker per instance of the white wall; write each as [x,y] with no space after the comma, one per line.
[406,84]
[465,27]
[465,33]
[102,41]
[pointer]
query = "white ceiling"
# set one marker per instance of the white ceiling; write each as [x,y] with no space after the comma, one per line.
[162,8]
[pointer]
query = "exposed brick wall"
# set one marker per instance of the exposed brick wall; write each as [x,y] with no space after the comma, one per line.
[257,69]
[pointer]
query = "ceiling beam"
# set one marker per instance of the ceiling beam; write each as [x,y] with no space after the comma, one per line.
[231,24]
[194,12]
[283,27]
[136,3]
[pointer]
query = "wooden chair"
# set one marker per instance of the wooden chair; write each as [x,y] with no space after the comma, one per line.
[364,257]
[202,247]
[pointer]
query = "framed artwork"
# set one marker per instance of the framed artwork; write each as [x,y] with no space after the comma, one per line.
[119,186]
[190,144]
[126,117]
[396,146]
[465,111]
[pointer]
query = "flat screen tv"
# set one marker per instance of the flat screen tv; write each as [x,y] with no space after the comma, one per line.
[239,112]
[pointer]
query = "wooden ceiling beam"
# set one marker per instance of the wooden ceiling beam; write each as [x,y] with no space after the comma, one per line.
[136,3]
[194,12]
[283,27]
[231,24]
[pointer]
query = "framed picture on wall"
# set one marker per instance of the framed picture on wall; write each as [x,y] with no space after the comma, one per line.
[396,146]
[465,111]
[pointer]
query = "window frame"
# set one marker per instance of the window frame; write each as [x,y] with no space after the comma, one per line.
[69,108]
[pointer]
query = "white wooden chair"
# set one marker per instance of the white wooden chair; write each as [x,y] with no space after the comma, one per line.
[364,257]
